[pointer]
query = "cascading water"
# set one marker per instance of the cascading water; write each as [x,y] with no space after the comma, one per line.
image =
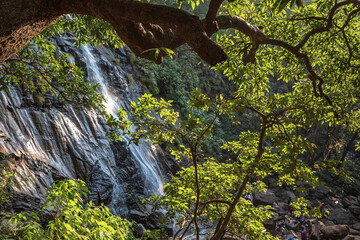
[143,153]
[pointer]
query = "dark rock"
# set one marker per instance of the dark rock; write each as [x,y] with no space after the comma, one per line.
[333,202]
[101,186]
[266,198]
[349,201]
[341,216]
[335,232]
[321,192]
[355,210]
[140,230]
[354,232]
[138,216]
[270,224]
[154,219]
[314,226]
[288,195]
[271,181]
[351,237]
[356,226]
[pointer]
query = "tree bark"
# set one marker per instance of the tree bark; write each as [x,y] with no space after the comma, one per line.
[140,25]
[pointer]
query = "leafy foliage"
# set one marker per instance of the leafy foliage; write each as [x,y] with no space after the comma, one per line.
[5,183]
[72,218]
[211,192]
[41,68]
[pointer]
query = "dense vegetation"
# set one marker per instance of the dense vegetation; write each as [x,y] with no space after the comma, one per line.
[303,76]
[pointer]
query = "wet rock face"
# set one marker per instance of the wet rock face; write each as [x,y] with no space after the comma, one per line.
[58,142]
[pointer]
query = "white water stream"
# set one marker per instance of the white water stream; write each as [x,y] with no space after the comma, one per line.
[143,153]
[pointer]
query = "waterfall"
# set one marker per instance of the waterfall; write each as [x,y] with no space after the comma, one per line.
[143,154]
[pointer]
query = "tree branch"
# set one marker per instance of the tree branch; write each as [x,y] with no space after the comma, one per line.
[329,22]
[33,65]
[215,201]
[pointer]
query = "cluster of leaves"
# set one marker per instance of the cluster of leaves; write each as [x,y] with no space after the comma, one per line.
[173,79]
[72,219]
[5,182]
[41,68]
[86,30]
[176,78]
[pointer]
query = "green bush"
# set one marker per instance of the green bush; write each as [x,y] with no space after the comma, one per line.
[72,218]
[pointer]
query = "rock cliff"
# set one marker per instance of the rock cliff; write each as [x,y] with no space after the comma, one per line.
[50,141]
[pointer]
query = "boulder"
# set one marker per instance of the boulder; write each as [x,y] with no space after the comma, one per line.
[341,216]
[355,210]
[349,201]
[321,192]
[284,207]
[356,226]
[266,198]
[288,195]
[270,223]
[352,237]
[315,227]
[293,225]
[334,232]
[354,232]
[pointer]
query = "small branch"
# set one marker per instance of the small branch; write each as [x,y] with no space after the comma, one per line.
[308,18]
[317,87]
[32,64]
[186,229]
[215,201]
[328,24]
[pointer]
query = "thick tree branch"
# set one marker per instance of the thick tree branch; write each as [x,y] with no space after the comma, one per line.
[115,12]
[235,22]
[210,25]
